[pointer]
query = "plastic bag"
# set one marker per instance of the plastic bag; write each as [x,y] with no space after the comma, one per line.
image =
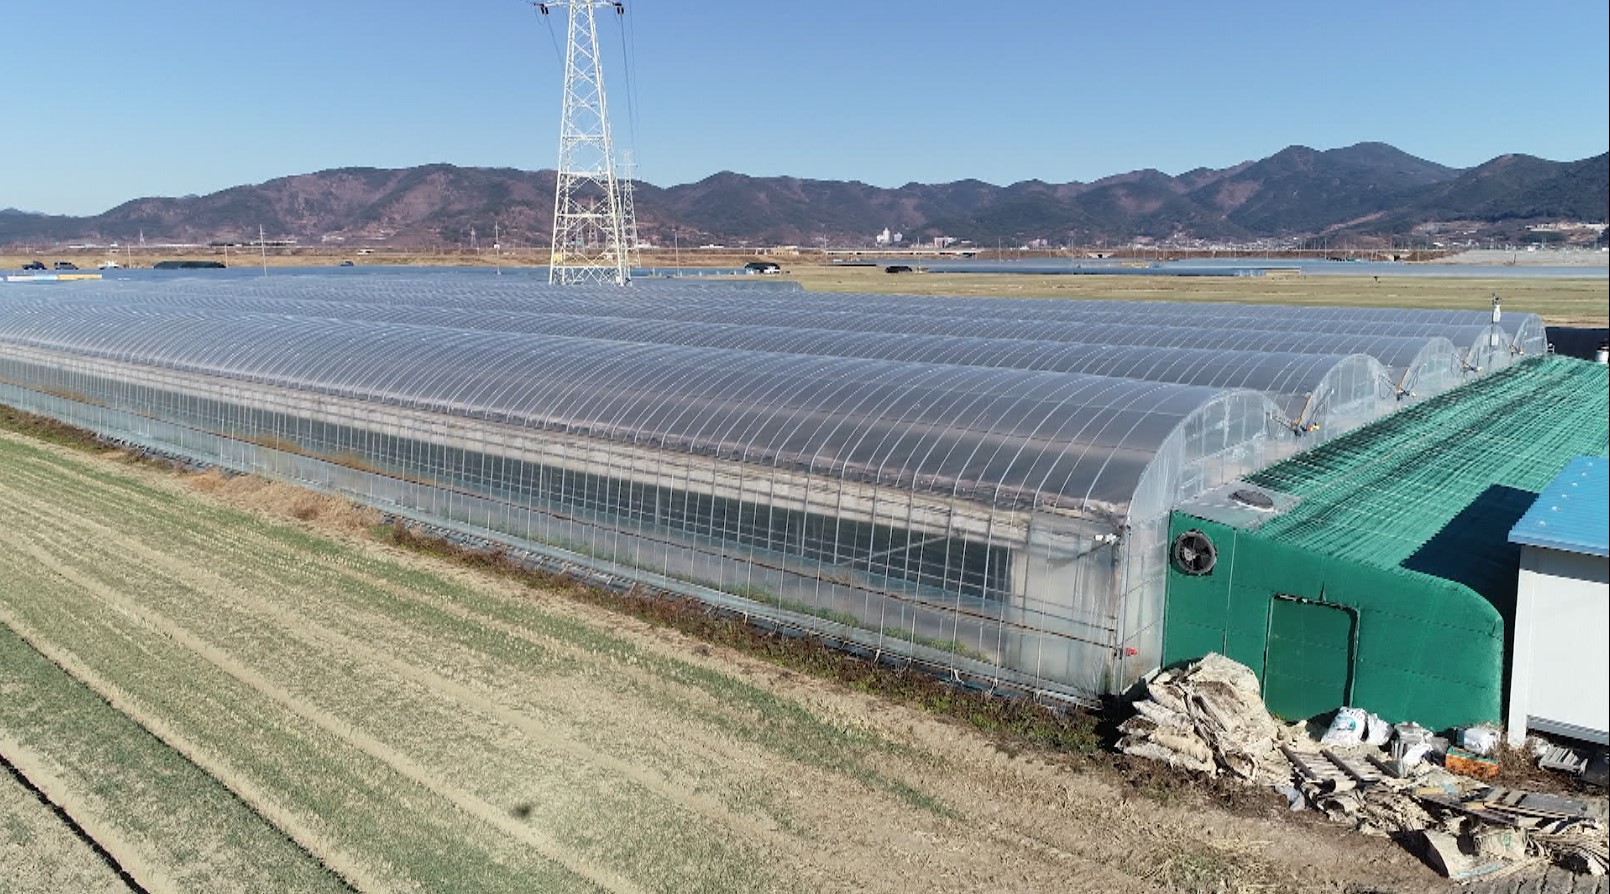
[1347,727]
[1376,731]
[1479,740]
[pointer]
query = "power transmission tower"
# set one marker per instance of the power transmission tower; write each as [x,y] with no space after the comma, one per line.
[629,210]
[593,221]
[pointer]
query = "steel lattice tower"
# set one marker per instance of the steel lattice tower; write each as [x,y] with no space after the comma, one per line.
[593,221]
[628,175]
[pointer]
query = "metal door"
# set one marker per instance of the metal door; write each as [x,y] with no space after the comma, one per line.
[1308,657]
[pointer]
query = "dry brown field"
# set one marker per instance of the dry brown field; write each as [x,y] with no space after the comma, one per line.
[1571,302]
[231,685]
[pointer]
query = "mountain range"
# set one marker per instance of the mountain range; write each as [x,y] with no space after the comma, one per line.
[1366,193]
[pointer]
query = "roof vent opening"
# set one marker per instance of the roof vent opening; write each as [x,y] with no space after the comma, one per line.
[1253,499]
[1194,553]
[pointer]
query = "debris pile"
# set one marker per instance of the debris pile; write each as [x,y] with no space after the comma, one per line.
[1401,781]
[1467,827]
[1208,718]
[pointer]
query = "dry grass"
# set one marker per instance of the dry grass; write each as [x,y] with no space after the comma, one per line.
[287,500]
[1518,768]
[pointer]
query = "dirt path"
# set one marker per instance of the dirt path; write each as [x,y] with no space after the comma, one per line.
[510,727]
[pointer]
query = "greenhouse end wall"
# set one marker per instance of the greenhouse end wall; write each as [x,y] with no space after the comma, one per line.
[1032,597]
[1321,631]
[1229,439]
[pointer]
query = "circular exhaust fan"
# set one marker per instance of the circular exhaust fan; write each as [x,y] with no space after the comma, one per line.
[1194,553]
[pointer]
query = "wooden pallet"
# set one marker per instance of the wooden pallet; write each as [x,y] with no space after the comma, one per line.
[1332,770]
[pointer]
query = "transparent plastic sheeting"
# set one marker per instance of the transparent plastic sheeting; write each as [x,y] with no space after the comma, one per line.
[1319,394]
[976,514]
[999,434]
[1415,367]
[667,299]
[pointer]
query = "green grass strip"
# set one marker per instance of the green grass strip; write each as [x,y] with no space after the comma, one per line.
[123,777]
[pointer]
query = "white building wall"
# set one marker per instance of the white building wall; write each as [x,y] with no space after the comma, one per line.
[1560,670]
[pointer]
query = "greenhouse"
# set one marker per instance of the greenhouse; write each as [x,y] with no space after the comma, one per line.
[783,304]
[986,494]
[1413,367]
[1319,395]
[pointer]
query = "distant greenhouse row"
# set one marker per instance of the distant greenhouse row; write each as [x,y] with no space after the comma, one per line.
[981,484]
[1315,362]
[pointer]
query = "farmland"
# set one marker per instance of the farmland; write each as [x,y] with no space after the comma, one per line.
[229,686]
[1560,301]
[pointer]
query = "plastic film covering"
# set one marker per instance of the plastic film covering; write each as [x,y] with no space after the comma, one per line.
[1002,435]
[1319,394]
[1214,326]
[702,315]
[974,516]
[1422,368]
[693,299]
[1525,334]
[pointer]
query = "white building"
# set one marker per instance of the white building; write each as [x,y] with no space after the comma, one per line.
[1560,670]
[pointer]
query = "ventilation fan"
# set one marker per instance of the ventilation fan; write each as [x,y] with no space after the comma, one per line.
[1194,553]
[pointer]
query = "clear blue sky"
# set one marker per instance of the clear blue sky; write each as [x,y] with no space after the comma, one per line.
[110,101]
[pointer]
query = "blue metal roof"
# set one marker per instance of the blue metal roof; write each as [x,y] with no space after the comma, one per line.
[1573,511]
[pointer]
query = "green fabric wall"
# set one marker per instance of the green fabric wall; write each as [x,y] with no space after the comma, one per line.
[1421,647]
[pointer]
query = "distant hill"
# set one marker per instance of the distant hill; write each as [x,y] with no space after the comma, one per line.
[1364,192]
[1299,190]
